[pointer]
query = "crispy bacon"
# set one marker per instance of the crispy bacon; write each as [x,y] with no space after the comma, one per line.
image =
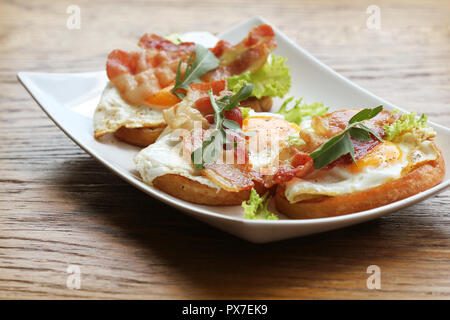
[338,120]
[236,177]
[232,177]
[228,176]
[220,47]
[139,76]
[153,41]
[298,166]
[248,55]
[132,75]
[120,62]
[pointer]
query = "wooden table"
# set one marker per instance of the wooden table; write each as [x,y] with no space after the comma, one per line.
[59,207]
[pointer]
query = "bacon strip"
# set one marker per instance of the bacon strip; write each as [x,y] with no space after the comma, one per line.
[229,177]
[153,41]
[120,62]
[236,178]
[248,55]
[139,76]
[220,48]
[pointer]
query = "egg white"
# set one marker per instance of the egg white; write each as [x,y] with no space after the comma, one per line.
[165,156]
[113,112]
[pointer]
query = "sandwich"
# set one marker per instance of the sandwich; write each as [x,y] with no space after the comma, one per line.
[142,84]
[362,161]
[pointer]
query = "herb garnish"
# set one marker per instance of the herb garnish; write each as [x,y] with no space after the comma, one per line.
[204,61]
[300,110]
[211,147]
[256,207]
[341,144]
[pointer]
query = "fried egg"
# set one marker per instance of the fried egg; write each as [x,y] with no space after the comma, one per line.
[386,162]
[272,132]
[113,112]
[165,156]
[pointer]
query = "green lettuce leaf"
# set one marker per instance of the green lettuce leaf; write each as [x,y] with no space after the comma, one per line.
[408,122]
[295,140]
[272,80]
[256,207]
[245,112]
[301,110]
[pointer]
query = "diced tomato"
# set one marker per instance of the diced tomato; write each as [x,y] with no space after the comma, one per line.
[210,118]
[235,115]
[216,86]
[204,105]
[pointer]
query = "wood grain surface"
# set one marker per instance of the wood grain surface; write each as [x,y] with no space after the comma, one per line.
[59,207]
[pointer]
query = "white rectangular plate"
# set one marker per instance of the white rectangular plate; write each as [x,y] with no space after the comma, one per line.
[70,100]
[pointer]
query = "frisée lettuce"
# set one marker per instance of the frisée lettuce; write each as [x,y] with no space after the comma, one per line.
[300,110]
[409,122]
[256,207]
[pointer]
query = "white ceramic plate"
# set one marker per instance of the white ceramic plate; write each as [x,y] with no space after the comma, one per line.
[70,99]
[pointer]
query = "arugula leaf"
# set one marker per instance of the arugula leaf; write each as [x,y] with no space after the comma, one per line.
[233,125]
[371,131]
[365,114]
[332,150]
[256,207]
[341,144]
[243,93]
[212,146]
[212,150]
[359,134]
[230,124]
[204,61]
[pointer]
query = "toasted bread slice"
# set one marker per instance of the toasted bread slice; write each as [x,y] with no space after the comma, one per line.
[420,179]
[193,191]
[141,137]
[145,136]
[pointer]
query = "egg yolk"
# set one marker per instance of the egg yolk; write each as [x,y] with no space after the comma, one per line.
[268,123]
[268,130]
[382,154]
